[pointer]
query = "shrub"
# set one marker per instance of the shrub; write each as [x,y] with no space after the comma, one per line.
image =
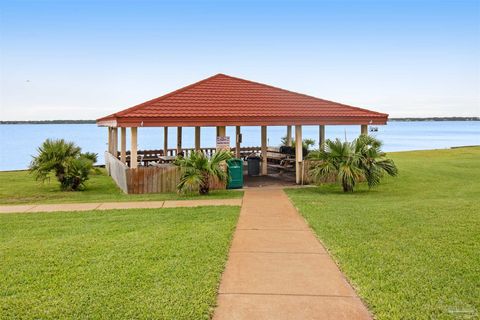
[65,160]
[198,170]
[351,162]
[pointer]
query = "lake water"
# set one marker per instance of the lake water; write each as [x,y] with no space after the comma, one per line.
[19,142]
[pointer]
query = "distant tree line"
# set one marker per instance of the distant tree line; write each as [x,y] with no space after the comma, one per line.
[49,122]
[437,119]
[93,121]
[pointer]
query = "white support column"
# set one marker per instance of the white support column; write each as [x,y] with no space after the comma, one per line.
[364,129]
[123,144]
[298,154]
[109,144]
[115,142]
[238,141]
[321,137]
[197,138]
[165,141]
[133,148]
[264,151]
[289,136]
[179,140]
[221,131]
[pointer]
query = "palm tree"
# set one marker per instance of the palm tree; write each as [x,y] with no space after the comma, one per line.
[65,160]
[198,170]
[351,162]
[374,162]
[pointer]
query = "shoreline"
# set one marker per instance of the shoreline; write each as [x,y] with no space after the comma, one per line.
[446,148]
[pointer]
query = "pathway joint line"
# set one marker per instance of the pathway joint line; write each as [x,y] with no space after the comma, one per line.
[276,252]
[30,209]
[288,294]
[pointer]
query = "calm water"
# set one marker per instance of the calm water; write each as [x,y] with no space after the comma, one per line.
[19,142]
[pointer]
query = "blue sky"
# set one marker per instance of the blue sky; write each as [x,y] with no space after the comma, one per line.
[86,59]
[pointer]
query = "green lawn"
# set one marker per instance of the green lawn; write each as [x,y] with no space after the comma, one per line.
[411,247]
[125,264]
[18,187]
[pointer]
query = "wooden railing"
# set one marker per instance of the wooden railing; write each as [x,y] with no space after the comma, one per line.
[147,156]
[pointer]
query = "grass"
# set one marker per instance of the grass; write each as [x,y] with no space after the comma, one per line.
[411,247]
[19,187]
[125,264]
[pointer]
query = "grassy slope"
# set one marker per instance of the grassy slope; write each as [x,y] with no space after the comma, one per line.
[130,264]
[411,246]
[18,187]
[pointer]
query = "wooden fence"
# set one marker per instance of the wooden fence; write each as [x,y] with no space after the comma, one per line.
[117,170]
[155,179]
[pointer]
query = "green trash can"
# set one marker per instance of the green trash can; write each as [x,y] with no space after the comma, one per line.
[235,170]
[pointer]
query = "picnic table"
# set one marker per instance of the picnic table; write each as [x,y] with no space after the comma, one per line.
[287,164]
[166,159]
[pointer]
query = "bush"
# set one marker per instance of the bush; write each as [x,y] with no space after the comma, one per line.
[65,160]
[351,162]
[198,170]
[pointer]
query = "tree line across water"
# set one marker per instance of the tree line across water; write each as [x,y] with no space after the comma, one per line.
[93,121]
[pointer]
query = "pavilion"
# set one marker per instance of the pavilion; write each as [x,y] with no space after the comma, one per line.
[221,101]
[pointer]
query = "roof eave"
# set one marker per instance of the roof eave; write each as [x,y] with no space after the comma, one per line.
[378,119]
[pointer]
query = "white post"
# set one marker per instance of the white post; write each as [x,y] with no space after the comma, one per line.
[264,151]
[123,144]
[364,129]
[221,131]
[109,140]
[179,140]
[115,142]
[289,136]
[321,137]
[165,141]
[133,149]
[197,138]
[238,141]
[298,154]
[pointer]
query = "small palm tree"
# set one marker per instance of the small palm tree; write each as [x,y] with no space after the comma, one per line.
[373,161]
[198,170]
[65,160]
[351,162]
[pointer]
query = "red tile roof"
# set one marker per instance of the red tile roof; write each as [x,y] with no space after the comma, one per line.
[224,100]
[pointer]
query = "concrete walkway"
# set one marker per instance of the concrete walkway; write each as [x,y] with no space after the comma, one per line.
[277,269]
[119,205]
